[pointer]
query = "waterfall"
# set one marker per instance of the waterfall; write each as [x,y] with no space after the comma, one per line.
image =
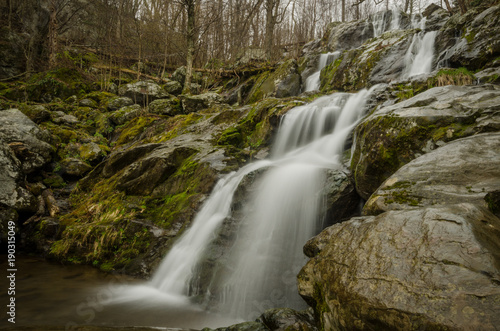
[313,81]
[283,213]
[418,59]
[380,25]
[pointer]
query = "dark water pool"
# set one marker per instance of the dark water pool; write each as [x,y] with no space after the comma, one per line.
[68,296]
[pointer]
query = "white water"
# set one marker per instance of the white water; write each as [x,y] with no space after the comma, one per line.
[313,81]
[283,214]
[380,25]
[420,54]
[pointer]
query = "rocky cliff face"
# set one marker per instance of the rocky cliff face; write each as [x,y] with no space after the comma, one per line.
[111,179]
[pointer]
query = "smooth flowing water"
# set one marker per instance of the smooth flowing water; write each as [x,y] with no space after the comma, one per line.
[380,24]
[283,213]
[420,55]
[313,81]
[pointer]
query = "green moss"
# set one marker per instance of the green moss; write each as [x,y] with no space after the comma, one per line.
[328,75]
[459,76]
[134,128]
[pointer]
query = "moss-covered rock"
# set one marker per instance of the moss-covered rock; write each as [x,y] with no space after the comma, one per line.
[170,107]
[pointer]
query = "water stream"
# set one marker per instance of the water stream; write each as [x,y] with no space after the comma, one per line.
[313,81]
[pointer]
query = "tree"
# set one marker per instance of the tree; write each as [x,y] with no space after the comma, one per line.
[190,6]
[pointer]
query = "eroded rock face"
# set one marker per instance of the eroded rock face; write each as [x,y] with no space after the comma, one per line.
[464,170]
[27,140]
[394,135]
[435,268]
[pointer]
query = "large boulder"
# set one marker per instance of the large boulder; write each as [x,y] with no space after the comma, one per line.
[125,114]
[143,92]
[28,141]
[464,170]
[170,107]
[13,194]
[394,135]
[194,103]
[430,268]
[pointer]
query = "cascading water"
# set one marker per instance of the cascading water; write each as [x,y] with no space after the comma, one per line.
[313,81]
[379,22]
[279,218]
[420,55]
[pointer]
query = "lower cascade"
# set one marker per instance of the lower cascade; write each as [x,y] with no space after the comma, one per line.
[420,54]
[283,213]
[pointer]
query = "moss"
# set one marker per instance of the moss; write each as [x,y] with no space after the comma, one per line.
[328,75]
[134,128]
[459,76]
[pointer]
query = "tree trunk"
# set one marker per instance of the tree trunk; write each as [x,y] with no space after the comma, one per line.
[53,35]
[343,10]
[191,40]
[270,22]
[447,5]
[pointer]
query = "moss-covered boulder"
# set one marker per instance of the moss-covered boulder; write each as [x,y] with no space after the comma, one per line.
[394,135]
[119,102]
[285,81]
[170,107]
[194,103]
[172,87]
[125,114]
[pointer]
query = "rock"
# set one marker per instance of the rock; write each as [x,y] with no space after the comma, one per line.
[87,103]
[179,75]
[8,219]
[13,195]
[90,152]
[429,268]
[123,158]
[142,176]
[173,87]
[477,43]
[119,102]
[490,75]
[245,326]
[394,135]
[125,114]
[75,167]
[285,81]
[12,52]
[288,319]
[349,35]
[194,103]
[342,200]
[170,107]
[60,117]
[26,139]
[37,113]
[461,171]
[493,201]
[142,92]
[251,55]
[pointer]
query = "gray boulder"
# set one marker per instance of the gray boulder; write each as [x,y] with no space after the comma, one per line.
[464,170]
[119,102]
[13,194]
[87,103]
[430,268]
[28,141]
[75,167]
[142,92]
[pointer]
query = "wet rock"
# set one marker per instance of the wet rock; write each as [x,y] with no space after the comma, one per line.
[27,140]
[245,326]
[119,102]
[170,107]
[288,319]
[461,171]
[490,75]
[125,114]
[342,200]
[350,35]
[430,268]
[394,135]
[142,92]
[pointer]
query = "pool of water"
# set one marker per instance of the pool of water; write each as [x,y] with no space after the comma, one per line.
[71,295]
